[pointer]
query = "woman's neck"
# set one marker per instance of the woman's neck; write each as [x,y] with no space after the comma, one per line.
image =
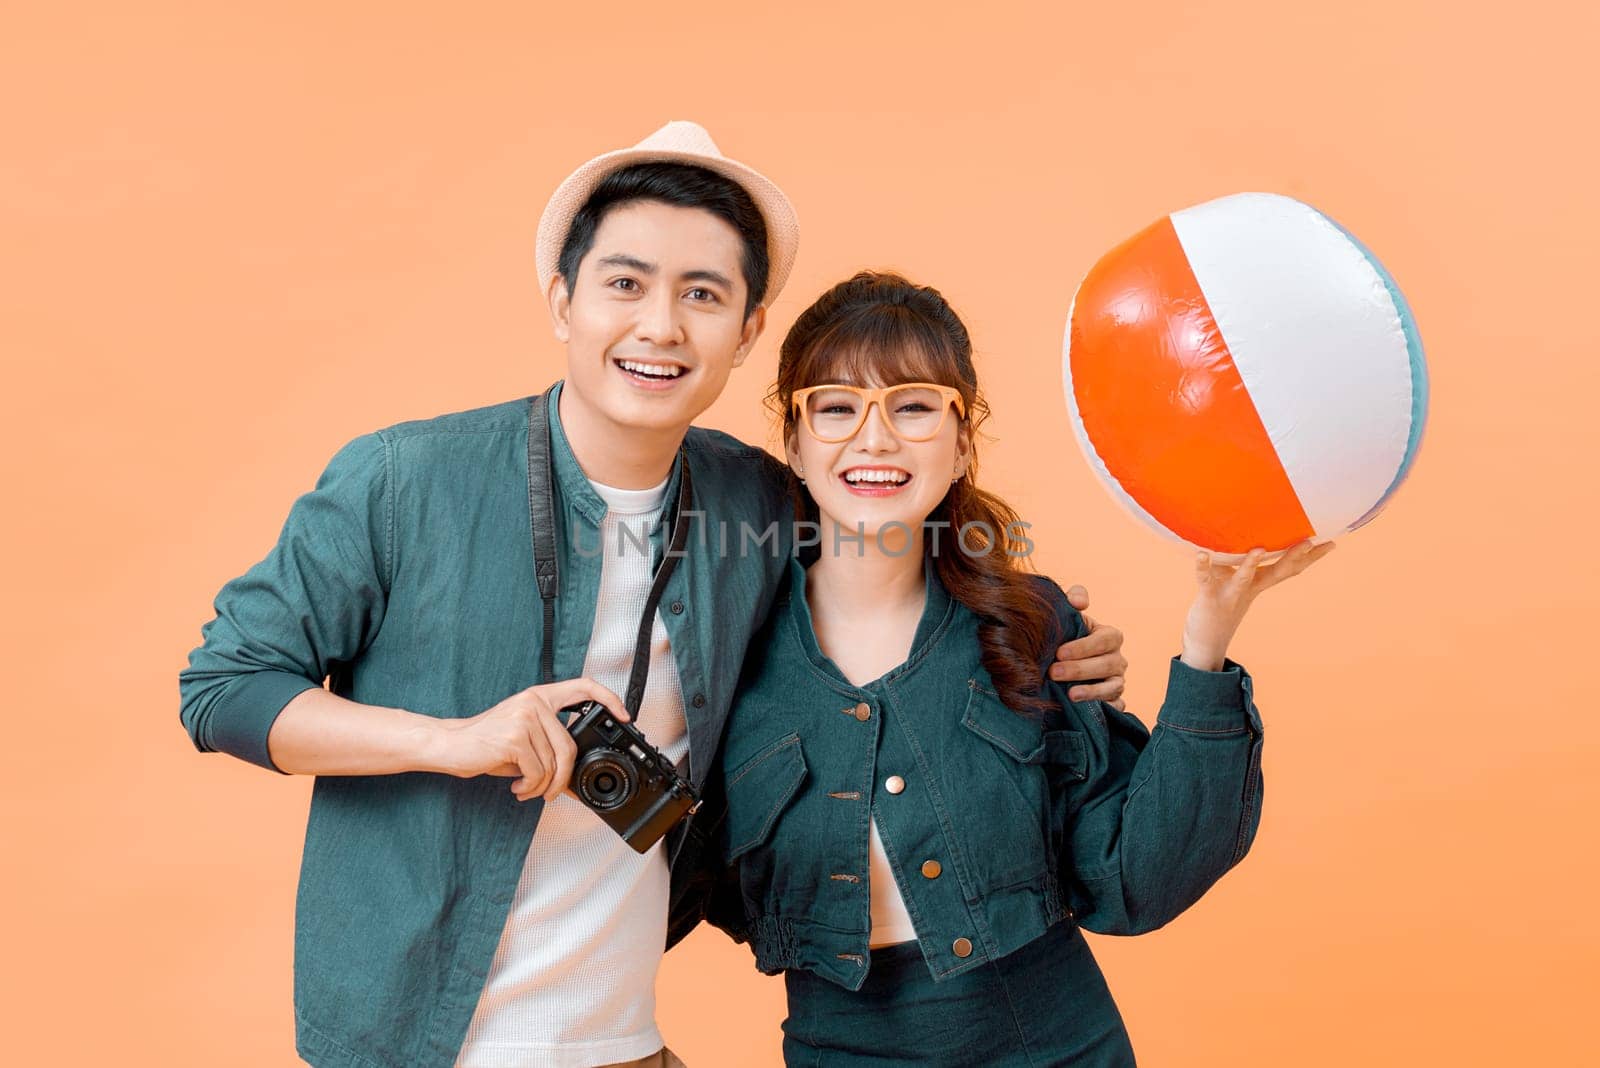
[861,582]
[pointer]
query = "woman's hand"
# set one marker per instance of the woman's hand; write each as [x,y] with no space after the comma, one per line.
[1225,594]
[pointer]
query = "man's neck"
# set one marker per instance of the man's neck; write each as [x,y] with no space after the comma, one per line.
[627,457]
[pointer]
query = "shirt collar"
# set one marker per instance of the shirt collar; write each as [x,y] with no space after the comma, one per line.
[938,608]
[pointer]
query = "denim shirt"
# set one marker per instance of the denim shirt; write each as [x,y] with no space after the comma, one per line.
[996,825]
[406,578]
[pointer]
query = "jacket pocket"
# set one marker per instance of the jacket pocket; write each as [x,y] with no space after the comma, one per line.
[1022,739]
[759,790]
[1023,788]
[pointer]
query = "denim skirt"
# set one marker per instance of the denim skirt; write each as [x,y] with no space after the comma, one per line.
[1045,1004]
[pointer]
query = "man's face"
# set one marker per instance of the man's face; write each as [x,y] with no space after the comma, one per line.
[655,321]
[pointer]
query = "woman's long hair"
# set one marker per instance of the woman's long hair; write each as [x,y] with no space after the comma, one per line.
[879,328]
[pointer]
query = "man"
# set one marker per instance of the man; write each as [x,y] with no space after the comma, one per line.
[428,932]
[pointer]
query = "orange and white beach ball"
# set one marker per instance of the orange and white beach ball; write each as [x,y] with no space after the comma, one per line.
[1246,373]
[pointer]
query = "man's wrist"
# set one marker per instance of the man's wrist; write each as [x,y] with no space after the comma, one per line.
[428,744]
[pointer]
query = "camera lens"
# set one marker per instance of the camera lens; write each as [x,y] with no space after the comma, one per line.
[604,780]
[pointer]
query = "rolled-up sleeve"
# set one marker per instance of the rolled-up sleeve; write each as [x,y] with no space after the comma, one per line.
[316,601]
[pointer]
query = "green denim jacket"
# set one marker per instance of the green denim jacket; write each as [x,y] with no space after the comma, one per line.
[996,825]
[406,578]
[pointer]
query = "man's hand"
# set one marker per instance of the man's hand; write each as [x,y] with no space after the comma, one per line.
[1095,660]
[522,736]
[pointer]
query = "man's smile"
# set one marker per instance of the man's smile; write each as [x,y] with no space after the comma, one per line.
[650,374]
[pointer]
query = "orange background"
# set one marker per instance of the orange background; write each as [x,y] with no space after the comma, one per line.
[232,241]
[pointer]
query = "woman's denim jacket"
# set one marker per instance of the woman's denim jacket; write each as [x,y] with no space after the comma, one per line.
[996,825]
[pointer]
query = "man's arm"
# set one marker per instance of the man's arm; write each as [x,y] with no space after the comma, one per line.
[316,600]
[319,733]
[254,686]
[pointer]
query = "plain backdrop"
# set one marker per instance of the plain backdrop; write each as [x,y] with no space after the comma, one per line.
[233,237]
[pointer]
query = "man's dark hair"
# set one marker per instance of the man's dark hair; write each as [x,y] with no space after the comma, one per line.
[681,185]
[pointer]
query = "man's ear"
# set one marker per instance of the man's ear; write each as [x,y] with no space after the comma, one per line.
[754,323]
[560,308]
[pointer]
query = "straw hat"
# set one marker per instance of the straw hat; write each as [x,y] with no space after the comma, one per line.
[676,142]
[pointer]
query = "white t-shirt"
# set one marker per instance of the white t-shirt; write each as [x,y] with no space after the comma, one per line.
[573,980]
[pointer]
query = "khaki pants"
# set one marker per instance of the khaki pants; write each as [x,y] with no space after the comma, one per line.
[661,1058]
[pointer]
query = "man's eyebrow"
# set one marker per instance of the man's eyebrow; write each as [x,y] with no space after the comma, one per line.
[715,277]
[630,262]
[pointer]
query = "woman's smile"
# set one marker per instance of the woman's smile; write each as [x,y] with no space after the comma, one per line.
[875,480]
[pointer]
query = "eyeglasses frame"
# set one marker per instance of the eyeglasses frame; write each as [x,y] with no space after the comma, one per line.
[877,396]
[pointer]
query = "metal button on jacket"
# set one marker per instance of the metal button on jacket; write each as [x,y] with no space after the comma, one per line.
[962,947]
[894,784]
[931,868]
[863,712]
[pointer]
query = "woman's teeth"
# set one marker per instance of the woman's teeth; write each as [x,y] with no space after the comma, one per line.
[887,477]
[651,370]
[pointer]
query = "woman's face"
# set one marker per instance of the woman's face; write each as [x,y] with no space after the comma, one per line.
[875,477]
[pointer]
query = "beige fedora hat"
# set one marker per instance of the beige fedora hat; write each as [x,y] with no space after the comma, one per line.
[676,142]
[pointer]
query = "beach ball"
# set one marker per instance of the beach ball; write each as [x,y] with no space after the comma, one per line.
[1244,373]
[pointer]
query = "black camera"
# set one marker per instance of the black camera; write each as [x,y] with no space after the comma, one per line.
[624,778]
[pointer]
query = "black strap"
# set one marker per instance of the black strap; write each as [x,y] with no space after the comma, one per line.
[634,698]
[542,517]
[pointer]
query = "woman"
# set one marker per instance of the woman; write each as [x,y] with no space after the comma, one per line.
[918,824]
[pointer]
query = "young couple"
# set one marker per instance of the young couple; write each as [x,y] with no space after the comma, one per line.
[907,809]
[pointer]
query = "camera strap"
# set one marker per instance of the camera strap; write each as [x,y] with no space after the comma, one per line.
[542,518]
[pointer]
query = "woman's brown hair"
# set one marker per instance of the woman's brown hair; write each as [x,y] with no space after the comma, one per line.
[880,329]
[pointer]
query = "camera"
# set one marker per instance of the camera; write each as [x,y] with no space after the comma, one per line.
[625,779]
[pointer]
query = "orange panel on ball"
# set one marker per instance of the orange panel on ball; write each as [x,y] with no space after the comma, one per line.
[1165,408]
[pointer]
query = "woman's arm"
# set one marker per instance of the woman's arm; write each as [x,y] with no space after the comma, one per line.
[1162,816]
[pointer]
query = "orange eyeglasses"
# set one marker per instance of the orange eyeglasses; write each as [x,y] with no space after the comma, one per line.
[913,411]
